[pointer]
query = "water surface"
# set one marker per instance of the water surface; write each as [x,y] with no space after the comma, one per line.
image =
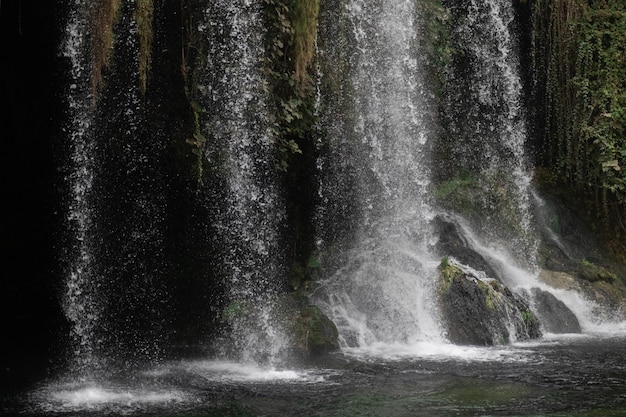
[576,375]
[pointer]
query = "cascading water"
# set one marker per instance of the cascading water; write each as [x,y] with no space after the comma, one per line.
[485,103]
[375,178]
[488,123]
[249,224]
[376,278]
[81,305]
[115,267]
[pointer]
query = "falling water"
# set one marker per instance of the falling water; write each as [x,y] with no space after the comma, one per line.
[490,102]
[489,125]
[375,179]
[114,292]
[250,221]
[81,305]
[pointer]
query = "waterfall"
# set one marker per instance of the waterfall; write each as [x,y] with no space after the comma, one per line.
[488,123]
[81,304]
[487,119]
[373,227]
[249,223]
[115,289]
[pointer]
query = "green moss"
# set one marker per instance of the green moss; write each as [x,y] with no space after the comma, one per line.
[592,273]
[527,317]
[448,273]
[236,310]
[457,192]
[314,332]
[144,15]
[434,39]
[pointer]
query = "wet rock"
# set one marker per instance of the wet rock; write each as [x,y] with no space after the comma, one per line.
[452,242]
[315,333]
[609,298]
[555,316]
[476,312]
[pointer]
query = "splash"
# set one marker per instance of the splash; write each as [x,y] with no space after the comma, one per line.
[375,181]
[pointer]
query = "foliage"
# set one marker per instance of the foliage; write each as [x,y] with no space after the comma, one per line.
[304,16]
[448,273]
[144,14]
[435,39]
[527,316]
[455,189]
[234,311]
[105,15]
[581,62]
[314,332]
[592,273]
[197,143]
[292,29]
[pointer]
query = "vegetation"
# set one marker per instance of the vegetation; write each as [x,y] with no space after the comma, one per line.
[592,273]
[314,332]
[292,31]
[448,273]
[580,63]
[144,14]
[104,17]
[435,40]
[304,15]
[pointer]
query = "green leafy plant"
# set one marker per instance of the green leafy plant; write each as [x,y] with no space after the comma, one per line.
[580,64]
[236,310]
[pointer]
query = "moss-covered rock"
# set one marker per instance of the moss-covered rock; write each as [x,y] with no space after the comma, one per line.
[314,332]
[477,312]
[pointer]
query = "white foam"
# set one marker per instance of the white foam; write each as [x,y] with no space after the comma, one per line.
[439,352]
[226,371]
[72,397]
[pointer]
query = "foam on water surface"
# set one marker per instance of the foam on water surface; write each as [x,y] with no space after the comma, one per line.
[102,397]
[224,371]
[439,352]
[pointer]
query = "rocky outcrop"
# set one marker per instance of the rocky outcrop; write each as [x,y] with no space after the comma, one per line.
[315,333]
[608,297]
[451,241]
[477,312]
[555,316]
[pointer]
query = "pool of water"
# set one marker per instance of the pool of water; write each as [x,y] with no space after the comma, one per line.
[559,376]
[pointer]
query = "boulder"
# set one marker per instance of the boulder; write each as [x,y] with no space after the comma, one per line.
[451,241]
[315,333]
[478,312]
[555,316]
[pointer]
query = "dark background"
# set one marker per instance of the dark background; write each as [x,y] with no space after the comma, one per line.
[32,117]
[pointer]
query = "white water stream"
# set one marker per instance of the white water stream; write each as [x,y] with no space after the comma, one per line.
[238,123]
[81,303]
[383,291]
